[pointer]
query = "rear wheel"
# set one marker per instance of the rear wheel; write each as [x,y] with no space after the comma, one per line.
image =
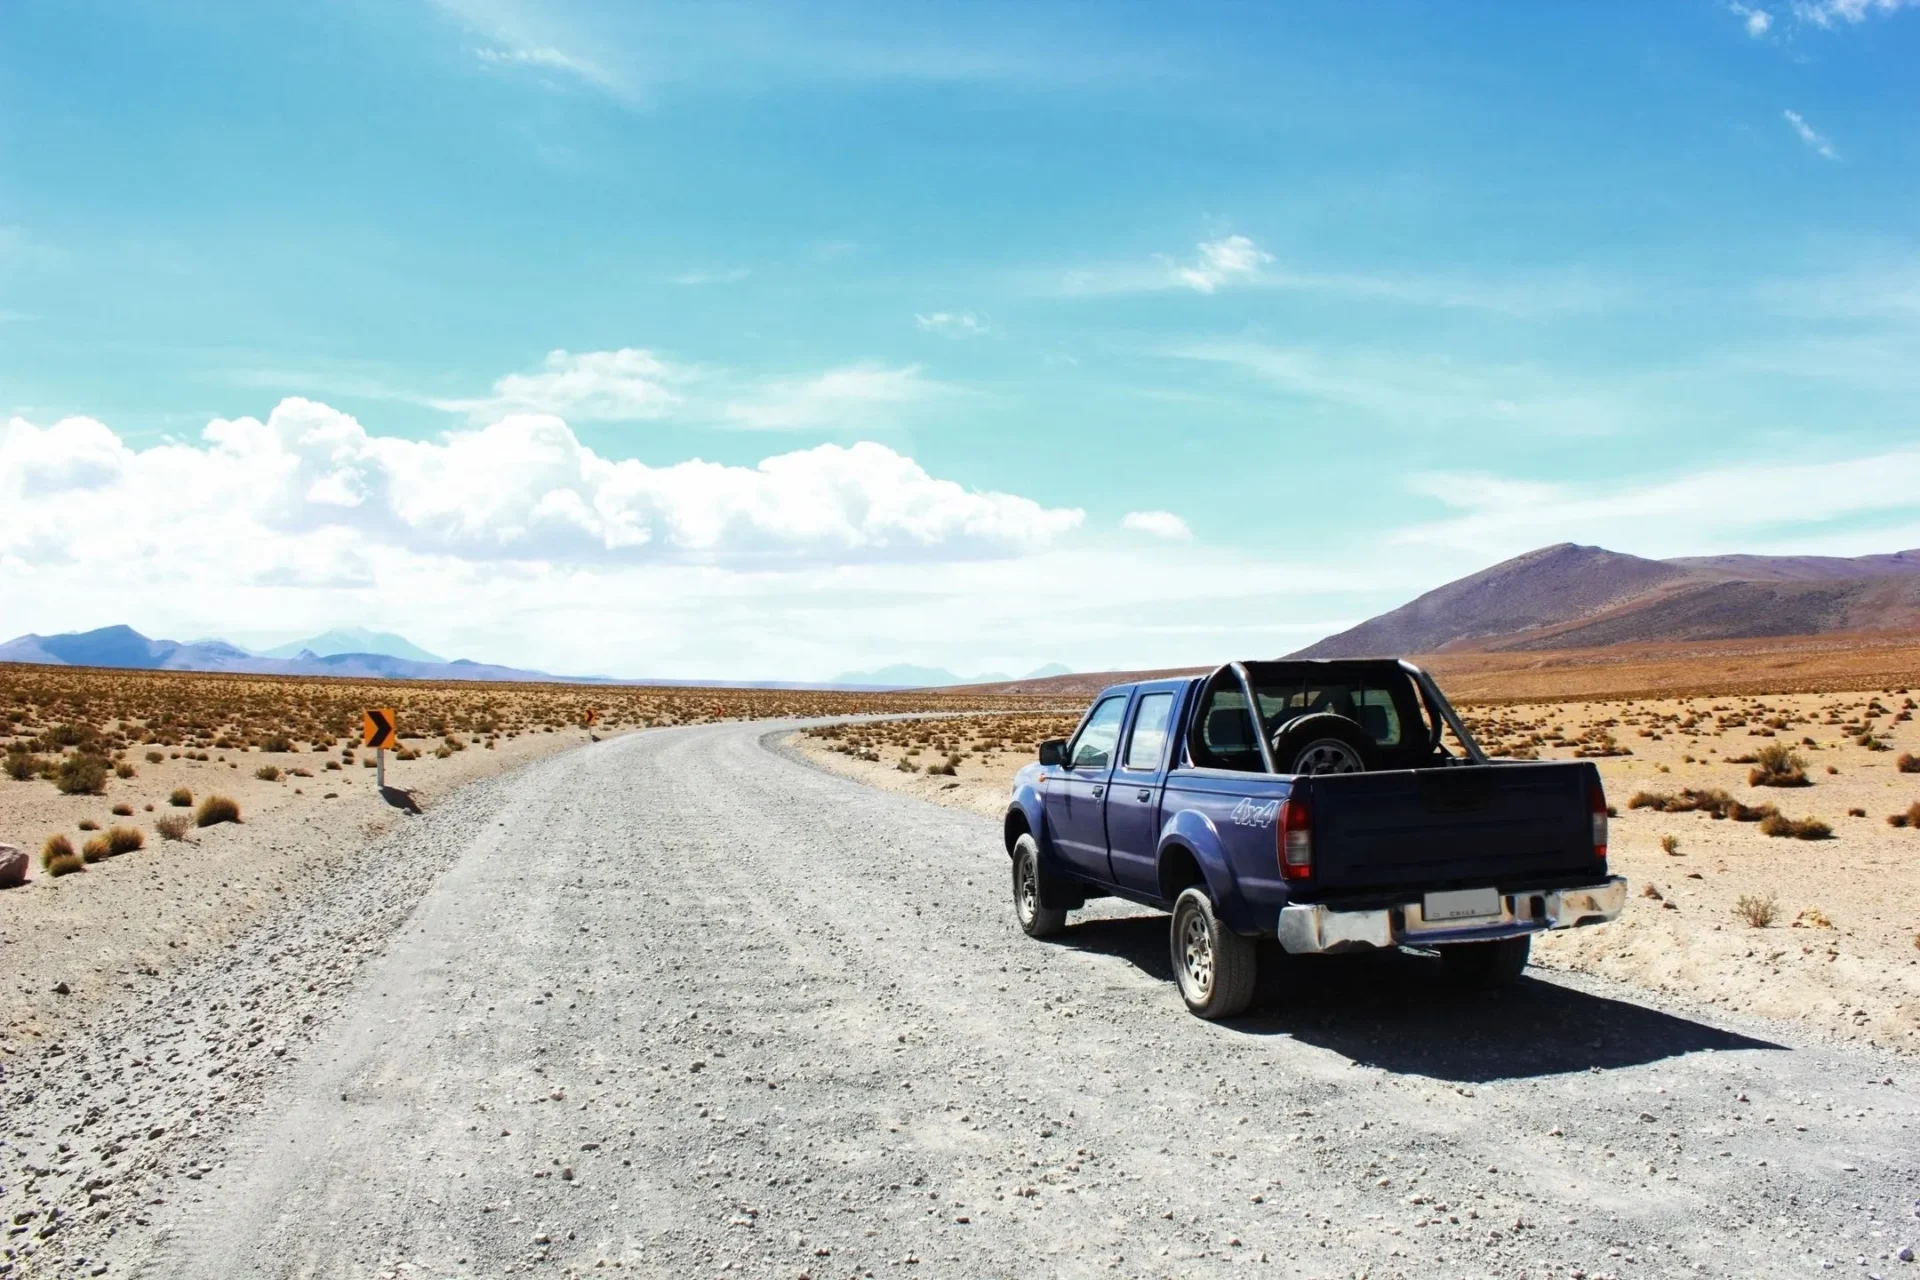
[1036,920]
[1482,966]
[1214,966]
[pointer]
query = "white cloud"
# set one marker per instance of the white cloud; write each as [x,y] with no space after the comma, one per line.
[725,275]
[1160,524]
[856,396]
[1808,135]
[312,494]
[591,386]
[1756,21]
[952,324]
[1229,260]
[1751,507]
[1825,13]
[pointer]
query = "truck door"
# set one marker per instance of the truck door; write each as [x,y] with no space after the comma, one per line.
[1076,792]
[1133,796]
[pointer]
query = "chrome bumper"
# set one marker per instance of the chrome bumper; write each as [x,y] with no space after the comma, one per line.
[1311,927]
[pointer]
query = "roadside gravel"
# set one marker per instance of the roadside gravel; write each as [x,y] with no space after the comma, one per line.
[681,1004]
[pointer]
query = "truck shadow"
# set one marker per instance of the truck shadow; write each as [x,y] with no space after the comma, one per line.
[1399,1012]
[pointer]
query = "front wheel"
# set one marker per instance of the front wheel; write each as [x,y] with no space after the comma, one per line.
[1036,919]
[1482,966]
[1214,966]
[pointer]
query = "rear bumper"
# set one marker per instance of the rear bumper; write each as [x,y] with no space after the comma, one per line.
[1307,927]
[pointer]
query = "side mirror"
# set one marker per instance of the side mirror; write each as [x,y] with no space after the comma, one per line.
[1053,751]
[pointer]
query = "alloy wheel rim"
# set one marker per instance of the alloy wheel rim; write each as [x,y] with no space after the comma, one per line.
[1029,889]
[1196,953]
[1328,755]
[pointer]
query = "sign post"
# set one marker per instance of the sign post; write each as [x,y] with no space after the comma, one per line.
[380,729]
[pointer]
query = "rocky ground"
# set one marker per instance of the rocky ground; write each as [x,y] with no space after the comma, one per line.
[677,1004]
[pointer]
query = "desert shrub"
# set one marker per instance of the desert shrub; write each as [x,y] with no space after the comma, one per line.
[88,824]
[96,849]
[180,798]
[173,826]
[333,764]
[58,858]
[1911,818]
[23,767]
[215,810]
[1856,813]
[1669,844]
[124,840]
[1812,918]
[1777,765]
[155,757]
[125,770]
[1907,763]
[907,766]
[276,742]
[267,773]
[1778,824]
[123,811]
[79,775]
[1757,910]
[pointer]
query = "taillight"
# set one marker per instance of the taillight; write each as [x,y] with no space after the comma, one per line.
[1295,839]
[1597,802]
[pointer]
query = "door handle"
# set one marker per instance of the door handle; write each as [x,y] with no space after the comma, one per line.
[1098,792]
[1144,794]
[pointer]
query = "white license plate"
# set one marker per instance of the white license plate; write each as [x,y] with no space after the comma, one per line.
[1461,904]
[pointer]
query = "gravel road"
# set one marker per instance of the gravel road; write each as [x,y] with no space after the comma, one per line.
[681,1004]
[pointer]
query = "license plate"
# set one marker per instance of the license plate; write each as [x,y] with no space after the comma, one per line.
[1461,904]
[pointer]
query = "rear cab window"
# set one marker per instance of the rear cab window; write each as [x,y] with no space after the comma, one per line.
[1147,742]
[1223,730]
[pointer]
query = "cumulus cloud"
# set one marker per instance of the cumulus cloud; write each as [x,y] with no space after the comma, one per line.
[1233,258]
[592,386]
[1160,524]
[952,324]
[1756,21]
[311,492]
[858,395]
[1808,135]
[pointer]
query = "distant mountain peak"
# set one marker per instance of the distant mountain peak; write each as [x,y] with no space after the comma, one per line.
[353,640]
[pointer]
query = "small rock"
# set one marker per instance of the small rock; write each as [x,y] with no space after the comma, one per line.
[62,989]
[1905,1254]
[13,867]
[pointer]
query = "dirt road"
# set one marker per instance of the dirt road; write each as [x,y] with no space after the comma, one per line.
[682,1005]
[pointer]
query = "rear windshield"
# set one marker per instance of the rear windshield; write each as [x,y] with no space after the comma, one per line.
[1381,701]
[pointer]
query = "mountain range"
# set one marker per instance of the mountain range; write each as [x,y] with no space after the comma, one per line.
[905,675]
[1573,597]
[353,640]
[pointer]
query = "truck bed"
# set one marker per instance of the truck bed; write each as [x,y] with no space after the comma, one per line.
[1514,825]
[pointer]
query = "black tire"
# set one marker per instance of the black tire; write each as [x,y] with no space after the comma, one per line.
[1030,892]
[1214,967]
[1482,966]
[1322,743]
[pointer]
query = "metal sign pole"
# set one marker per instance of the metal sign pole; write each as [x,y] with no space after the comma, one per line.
[380,767]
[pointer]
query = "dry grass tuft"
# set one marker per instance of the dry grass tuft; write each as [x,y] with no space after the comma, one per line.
[1907,763]
[124,840]
[181,798]
[267,773]
[215,810]
[58,858]
[1777,765]
[80,775]
[1670,844]
[173,826]
[1757,910]
[96,849]
[1911,818]
[1778,824]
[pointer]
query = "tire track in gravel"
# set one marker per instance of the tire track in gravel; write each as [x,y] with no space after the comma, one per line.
[684,1005]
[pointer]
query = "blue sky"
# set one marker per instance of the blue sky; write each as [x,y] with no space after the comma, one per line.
[1108,334]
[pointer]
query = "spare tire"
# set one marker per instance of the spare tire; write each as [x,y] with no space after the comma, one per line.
[1322,743]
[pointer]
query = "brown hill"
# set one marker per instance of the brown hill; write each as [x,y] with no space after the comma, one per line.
[1570,597]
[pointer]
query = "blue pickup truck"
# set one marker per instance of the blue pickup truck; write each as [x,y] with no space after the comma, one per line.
[1318,803]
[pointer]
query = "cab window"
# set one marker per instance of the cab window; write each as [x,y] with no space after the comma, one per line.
[1223,732]
[1148,741]
[1093,749]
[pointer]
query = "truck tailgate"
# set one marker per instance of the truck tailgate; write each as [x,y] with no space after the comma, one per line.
[1437,828]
